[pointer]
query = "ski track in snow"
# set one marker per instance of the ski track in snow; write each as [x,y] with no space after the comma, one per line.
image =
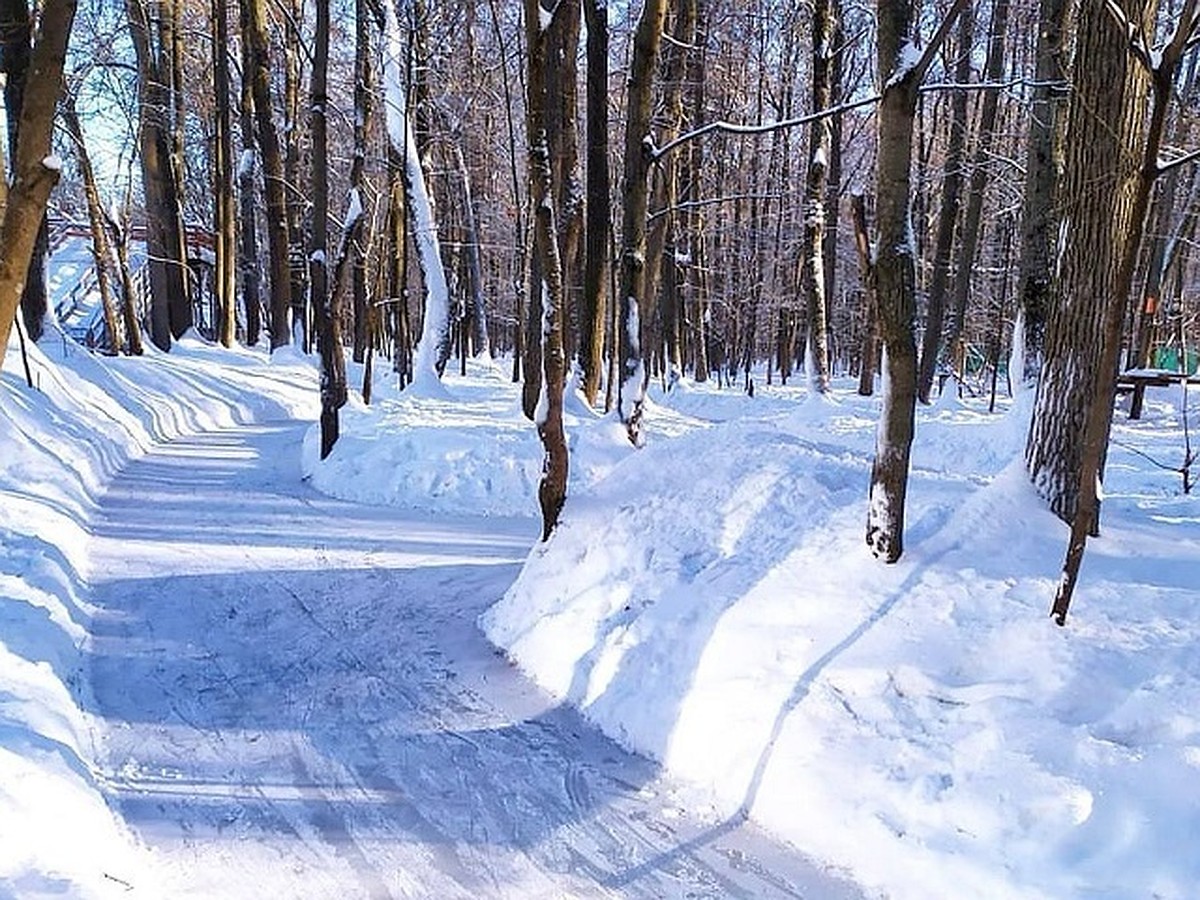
[294,701]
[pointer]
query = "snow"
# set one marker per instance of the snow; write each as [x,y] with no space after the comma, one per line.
[245,163]
[354,208]
[212,675]
[53,163]
[907,59]
[436,322]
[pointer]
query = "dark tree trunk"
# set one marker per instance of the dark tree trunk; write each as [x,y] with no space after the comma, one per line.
[16,41]
[1130,206]
[259,74]
[24,205]
[100,254]
[333,362]
[552,490]
[225,277]
[1043,164]
[1096,199]
[866,263]
[895,275]
[248,234]
[952,181]
[170,302]
[631,389]
[597,252]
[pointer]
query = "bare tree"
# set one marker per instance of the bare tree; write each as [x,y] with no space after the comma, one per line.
[598,252]
[631,389]
[16,24]
[901,69]
[225,220]
[34,169]
[816,188]
[552,489]
[258,73]
[1131,23]
[170,297]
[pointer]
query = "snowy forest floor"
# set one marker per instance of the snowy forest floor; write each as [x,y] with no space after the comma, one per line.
[217,682]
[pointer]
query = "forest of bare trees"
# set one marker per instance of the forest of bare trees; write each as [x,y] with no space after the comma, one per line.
[611,194]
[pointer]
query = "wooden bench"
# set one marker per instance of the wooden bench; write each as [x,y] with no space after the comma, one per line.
[1138,380]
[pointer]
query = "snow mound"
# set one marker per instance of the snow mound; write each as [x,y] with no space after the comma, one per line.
[63,440]
[925,726]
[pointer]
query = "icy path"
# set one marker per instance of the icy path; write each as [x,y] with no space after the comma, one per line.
[295,702]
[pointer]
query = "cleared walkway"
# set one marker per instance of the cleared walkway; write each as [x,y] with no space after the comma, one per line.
[296,702]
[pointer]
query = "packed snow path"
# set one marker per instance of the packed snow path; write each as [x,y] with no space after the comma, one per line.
[294,701]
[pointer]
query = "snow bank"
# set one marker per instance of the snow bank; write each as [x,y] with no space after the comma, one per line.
[61,443]
[925,726]
[465,449]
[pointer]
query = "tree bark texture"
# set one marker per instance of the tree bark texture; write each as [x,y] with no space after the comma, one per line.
[895,268]
[1136,197]
[100,251]
[170,298]
[1097,209]
[248,256]
[16,38]
[816,187]
[25,203]
[552,489]
[1043,164]
[225,226]
[333,363]
[259,75]
[661,299]
[597,251]
[631,388]
[952,182]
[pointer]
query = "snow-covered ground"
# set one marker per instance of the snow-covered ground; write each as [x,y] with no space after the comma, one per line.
[708,602]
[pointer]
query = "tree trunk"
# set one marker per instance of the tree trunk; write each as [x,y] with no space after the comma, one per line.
[552,489]
[248,235]
[364,310]
[866,262]
[24,206]
[1043,165]
[895,274]
[597,251]
[1103,154]
[333,363]
[981,173]
[129,314]
[952,181]
[259,74]
[100,254]
[664,178]
[1133,204]
[815,209]
[170,297]
[434,347]
[631,390]
[225,277]
[298,265]
[16,23]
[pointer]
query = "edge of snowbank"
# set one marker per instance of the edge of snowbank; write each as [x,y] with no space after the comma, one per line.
[64,440]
